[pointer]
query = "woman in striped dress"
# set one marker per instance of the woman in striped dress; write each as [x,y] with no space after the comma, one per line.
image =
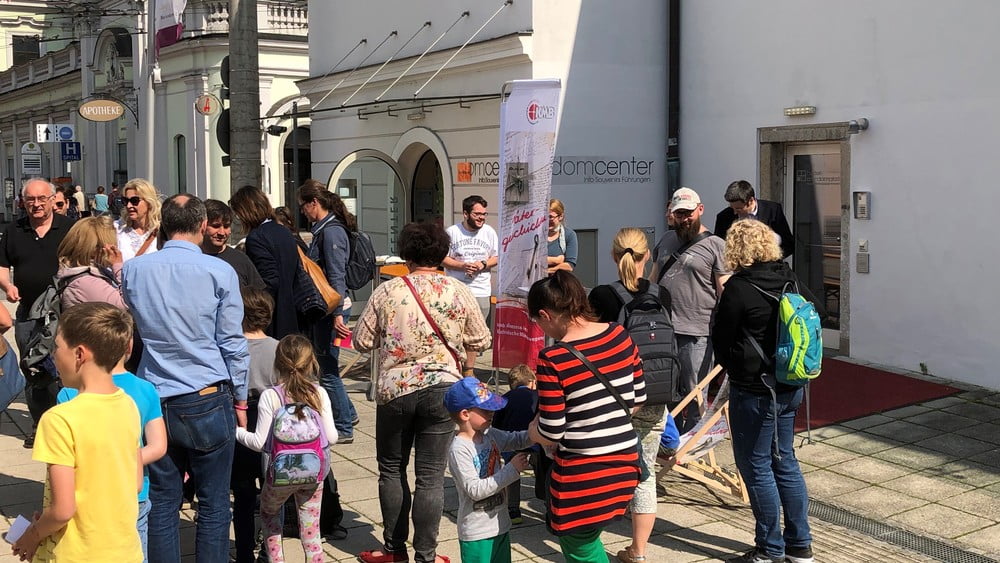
[596,466]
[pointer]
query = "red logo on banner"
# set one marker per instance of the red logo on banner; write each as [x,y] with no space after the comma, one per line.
[536,112]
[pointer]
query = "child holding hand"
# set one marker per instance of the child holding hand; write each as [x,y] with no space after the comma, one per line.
[480,475]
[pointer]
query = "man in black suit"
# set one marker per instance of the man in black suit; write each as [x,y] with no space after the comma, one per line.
[743,204]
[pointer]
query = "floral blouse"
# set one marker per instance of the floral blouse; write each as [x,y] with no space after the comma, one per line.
[410,355]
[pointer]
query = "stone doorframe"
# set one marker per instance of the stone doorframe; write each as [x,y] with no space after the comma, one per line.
[773,142]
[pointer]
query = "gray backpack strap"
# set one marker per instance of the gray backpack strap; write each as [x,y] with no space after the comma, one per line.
[624,296]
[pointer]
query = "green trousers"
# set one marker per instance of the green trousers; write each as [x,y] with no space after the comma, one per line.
[584,547]
[489,550]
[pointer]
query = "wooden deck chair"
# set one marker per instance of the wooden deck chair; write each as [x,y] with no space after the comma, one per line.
[702,465]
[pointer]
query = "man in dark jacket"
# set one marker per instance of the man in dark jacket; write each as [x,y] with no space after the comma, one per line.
[743,204]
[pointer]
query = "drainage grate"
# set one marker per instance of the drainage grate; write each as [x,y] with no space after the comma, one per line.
[896,536]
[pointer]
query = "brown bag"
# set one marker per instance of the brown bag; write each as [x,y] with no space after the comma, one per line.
[329,294]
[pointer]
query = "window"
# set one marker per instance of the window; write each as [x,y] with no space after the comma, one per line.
[25,49]
[181,147]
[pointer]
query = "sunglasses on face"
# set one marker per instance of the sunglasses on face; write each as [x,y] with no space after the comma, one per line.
[134,200]
[60,204]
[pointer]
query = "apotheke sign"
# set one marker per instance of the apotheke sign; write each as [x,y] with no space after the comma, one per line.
[101,110]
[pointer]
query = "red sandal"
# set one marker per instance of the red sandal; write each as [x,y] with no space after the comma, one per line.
[382,556]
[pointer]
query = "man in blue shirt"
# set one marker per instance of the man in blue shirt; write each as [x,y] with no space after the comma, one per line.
[189,313]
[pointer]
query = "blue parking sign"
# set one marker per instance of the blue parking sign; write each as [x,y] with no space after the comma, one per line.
[70,151]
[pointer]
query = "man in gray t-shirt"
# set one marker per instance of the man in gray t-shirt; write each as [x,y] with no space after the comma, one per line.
[694,279]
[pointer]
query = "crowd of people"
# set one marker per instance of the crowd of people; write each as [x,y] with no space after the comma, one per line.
[193,392]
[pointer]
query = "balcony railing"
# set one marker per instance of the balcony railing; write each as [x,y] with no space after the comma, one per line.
[47,67]
[275,17]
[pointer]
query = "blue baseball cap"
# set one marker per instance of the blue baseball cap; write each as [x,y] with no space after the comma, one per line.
[470,393]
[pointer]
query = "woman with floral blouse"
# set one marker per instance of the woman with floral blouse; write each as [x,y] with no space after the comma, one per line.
[418,361]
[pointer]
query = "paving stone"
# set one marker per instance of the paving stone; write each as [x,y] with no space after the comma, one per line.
[942,421]
[981,502]
[904,431]
[978,411]
[863,443]
[870,470]
[824,484]
[925,486]
[941,521]
[878,502]
[827,432]
[867,421]
[987,540]
[823,455]
[907,411]
[719,540]
[944,402]
[959,447]
[990,457]
[986,432]
[967,472]
[913,456]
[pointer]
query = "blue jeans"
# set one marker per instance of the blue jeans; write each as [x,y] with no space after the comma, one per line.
[328,357]
[696,359]
[201,434]
[416,421]
[774,485]
[142,525]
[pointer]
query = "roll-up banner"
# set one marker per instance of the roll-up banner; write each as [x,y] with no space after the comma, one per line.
[528,117]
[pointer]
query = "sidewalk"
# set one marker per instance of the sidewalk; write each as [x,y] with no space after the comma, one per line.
[931,469]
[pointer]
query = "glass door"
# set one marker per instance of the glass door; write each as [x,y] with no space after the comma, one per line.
[813,194]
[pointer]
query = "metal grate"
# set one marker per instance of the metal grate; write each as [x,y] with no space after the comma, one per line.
[896,536]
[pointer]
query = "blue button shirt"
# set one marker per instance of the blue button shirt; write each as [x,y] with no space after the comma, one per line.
[189,312]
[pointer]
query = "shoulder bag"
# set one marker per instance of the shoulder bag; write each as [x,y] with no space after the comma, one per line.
[330,295]
[434,326]
[677,254]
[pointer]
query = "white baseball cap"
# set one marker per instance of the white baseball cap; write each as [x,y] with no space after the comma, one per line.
[685,198]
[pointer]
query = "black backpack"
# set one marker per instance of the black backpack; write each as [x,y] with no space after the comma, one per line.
[36,363]
[648,323]
[361,260]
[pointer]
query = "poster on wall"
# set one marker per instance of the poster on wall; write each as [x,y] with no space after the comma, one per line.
[527,144]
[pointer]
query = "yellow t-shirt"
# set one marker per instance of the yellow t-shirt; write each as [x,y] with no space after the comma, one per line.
[98,436]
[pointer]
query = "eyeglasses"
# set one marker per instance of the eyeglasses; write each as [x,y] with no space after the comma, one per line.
[478,215]
[134,200]
[60,204]
[553,216]
[39,199]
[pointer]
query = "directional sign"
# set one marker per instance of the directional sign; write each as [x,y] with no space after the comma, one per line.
[70,151]
[59,132]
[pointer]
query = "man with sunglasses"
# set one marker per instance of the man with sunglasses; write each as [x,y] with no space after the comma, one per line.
[59,202]
[30,246]
[689,264]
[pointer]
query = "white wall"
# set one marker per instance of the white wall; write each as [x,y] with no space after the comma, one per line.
[919,71]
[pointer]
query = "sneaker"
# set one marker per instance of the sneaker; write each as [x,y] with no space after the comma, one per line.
[755,555]
[356,421]
[799,554]
[345,440]
[29,442]
[337,533]
[515,517]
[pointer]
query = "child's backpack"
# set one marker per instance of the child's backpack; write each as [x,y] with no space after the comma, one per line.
[648,323]
[36,363]
[296,447]
[361,259]
[798,358]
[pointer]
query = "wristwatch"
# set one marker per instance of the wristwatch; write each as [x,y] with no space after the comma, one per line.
[485,265]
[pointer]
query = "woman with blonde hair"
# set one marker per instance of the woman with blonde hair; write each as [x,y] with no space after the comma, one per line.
[562,241]
[90,263]
[630,251]
[761,410]
[140,221]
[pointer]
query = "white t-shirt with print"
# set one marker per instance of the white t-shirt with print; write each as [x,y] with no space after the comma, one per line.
[473,246]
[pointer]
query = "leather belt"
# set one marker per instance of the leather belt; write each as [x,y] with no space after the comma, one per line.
[209,390]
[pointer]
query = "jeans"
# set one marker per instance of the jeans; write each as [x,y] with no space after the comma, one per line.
[201,434]
[419,421]
[774,484]
[328,357]
[695,355]
[142,525]
[38,399]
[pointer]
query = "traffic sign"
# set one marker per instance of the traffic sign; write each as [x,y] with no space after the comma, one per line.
[208,104]
[70,151]
[58,132]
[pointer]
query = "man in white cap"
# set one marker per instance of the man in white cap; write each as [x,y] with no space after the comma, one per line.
[689,264]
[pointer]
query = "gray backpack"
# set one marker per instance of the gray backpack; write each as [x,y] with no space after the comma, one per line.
[36,363]
[648,323]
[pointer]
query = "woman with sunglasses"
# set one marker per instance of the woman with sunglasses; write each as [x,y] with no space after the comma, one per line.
[140,220]
[589,385]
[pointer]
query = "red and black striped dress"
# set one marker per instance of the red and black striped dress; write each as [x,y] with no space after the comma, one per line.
[596,465]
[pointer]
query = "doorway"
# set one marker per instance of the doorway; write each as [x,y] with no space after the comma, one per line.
[428,190]
[812,190]
[298,141]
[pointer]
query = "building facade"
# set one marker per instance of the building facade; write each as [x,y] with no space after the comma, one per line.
[405,121]
[880,214]
[100,54]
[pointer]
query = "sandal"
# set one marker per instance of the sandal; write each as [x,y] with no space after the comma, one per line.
[626,556]
[382,556]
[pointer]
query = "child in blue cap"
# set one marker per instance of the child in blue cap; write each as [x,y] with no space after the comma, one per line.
[480,475]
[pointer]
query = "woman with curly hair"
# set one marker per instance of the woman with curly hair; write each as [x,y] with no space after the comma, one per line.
[137,229]
[748,309]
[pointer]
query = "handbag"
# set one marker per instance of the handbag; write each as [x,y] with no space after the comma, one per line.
[330,296]
[434,326]
[643,469]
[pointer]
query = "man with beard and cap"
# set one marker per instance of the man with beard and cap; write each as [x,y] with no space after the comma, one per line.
[473,253]
[217,232]
[689,264]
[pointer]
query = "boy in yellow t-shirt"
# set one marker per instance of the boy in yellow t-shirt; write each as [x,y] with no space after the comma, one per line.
[91,446]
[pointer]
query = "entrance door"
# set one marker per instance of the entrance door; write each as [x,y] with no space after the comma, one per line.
[428,191]
[813,196]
